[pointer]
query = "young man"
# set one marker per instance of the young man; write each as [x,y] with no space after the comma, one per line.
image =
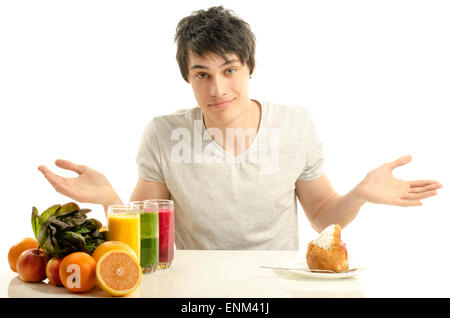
[235,166]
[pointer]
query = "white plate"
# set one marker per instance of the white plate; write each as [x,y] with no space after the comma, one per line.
[302,269]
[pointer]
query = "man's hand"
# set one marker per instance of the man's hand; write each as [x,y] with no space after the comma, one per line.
[90,186]
[380,186]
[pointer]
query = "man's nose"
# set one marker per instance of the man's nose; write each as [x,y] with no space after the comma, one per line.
[217,88]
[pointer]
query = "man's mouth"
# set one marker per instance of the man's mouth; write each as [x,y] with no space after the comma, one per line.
[222,103]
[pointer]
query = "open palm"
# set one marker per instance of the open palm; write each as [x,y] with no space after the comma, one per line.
[380,186]
[90,186]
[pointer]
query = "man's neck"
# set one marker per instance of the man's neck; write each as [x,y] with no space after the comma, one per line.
[248,123]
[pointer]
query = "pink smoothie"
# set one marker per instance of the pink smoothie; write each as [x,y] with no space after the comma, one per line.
[166,235]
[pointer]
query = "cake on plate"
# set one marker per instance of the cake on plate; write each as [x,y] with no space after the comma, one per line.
[328,251]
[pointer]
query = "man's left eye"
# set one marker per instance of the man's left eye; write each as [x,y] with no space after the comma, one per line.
[231,70]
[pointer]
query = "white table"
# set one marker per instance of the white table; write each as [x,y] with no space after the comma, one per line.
[237,274]
[210,274]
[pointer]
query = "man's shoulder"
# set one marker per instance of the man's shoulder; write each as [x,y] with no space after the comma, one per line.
[284,113]
[287,107]
[182,118]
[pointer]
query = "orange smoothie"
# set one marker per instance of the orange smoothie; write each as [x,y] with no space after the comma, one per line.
[126,228]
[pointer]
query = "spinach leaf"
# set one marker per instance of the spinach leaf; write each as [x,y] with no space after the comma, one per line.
[64,229]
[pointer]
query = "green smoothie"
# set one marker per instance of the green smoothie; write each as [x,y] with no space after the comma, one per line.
[149,241]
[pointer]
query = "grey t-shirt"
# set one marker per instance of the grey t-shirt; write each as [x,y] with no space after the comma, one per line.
[227,202]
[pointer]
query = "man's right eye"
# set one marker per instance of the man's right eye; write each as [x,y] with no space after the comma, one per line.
[202,75]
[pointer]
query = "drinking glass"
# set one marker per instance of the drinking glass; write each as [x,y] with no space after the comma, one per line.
[124,226]
[166,232]
[149,218]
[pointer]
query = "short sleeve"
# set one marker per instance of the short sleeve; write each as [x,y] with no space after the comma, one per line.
[313,153]
[148,158]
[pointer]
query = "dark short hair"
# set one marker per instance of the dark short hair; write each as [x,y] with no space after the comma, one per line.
[214,31]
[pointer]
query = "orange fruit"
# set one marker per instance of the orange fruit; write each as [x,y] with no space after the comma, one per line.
[17,249]
[118,273]
[110,246]
[77,272]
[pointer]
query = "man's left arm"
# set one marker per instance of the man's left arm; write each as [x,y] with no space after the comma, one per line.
[323,206]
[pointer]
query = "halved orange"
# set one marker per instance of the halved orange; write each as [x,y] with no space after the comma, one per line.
[118,273]
[112,245]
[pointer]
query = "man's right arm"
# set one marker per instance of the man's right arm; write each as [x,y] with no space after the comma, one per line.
[144,190]
[91,186]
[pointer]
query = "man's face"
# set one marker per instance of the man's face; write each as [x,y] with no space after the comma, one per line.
[220,87]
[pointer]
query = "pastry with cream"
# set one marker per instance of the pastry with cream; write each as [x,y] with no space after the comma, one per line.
[327,251]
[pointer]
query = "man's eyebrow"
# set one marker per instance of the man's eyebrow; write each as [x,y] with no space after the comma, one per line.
[206,67]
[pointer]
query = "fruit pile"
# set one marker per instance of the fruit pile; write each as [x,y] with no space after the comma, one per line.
[111,265]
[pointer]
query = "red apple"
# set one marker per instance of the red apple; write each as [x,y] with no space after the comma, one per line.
[52,271]
[31,265]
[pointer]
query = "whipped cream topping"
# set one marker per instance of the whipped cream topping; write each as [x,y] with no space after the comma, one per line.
[326,237]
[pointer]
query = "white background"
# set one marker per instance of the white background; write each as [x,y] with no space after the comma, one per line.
[79,80]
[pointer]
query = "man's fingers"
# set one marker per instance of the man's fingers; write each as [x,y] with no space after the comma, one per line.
[51,177]
[426,187]
[44,169]
[60,184]
[49,174]
[68,165]
[56,181]
[423,183]
[419,196]
[401,161]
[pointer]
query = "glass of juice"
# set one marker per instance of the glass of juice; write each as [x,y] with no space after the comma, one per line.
[124,226]
[149,235]
[166,232]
